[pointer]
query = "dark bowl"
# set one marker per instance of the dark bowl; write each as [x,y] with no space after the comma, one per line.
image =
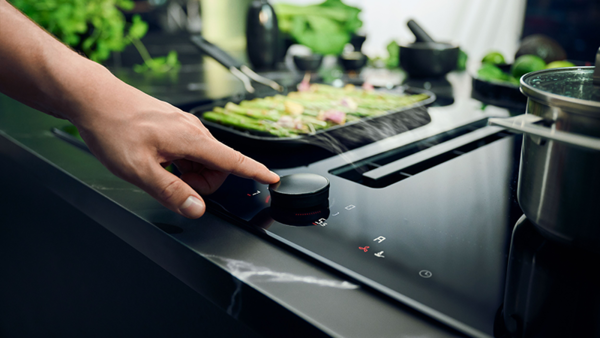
[428,59]
[353,61]
[504,95]
[308,63]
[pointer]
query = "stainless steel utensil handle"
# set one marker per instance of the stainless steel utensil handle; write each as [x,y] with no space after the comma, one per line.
[597,69]
[261,79]
[245,80]
[525,124]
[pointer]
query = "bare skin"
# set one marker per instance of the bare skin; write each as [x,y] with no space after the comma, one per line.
[133,134]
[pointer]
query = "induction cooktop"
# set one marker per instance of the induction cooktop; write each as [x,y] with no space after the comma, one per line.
[426,223]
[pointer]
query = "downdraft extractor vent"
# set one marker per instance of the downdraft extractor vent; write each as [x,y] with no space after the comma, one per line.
[395,165]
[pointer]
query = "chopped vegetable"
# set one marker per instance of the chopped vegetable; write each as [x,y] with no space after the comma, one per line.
[348,102]
[335,116]
[304,86]
[293,108]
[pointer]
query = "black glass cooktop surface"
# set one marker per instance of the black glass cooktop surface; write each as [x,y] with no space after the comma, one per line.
[426,223]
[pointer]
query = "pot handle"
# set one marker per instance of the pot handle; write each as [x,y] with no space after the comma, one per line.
[524,124]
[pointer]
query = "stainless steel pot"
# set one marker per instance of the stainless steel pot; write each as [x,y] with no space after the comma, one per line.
[559,178]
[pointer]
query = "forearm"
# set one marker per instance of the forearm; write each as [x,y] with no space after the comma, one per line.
[40,71]
[131,133]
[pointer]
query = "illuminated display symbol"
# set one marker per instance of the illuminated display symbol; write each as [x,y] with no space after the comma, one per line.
[425,273]
[337,213]
[321,222]
[349,207]
[379,254]
[379,239]
[365,249]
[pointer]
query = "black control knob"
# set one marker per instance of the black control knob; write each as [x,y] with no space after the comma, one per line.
[300,191]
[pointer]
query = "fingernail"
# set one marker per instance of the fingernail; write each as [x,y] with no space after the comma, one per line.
[192,207]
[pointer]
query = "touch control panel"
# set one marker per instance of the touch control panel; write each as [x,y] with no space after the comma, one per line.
[435,241]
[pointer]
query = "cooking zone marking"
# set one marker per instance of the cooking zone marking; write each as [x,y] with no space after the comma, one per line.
[320,222]
[254,193]
[379,239]
[425,273]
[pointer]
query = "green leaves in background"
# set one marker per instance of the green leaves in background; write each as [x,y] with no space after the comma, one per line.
[325,28]
[320,34]
[393,60]
[461,63]
[138,28]
[160,64]
[94,27]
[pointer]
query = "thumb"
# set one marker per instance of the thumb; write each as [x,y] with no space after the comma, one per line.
[172,192]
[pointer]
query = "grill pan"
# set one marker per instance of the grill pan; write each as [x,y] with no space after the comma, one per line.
[341,137]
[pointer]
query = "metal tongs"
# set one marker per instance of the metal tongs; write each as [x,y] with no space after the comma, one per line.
[238,69]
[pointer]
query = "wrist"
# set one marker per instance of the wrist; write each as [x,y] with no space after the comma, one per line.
[78,86]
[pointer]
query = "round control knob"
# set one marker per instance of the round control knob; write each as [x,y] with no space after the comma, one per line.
[300,191]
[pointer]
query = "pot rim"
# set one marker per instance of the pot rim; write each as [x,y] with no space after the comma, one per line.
[570,104]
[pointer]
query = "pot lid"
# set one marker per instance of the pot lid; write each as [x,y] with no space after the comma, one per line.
[569,88]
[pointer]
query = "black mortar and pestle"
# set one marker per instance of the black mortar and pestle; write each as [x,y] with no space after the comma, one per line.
[425,57]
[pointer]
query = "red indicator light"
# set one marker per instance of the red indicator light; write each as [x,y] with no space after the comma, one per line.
[365,249]
[268,199]
[249,195]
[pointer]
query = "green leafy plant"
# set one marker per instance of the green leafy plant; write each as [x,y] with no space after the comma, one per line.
[162,64]
[94,27]
[325,28]
[393,59]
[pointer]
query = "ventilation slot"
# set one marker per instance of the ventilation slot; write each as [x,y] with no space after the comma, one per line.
[398,164]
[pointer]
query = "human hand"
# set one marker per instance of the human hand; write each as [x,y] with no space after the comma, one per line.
[135,136]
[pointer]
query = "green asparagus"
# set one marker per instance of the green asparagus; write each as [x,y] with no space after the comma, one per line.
[306,112]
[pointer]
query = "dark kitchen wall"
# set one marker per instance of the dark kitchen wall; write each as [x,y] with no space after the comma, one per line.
[575,24]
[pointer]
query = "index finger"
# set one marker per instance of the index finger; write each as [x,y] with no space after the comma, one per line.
[221,157]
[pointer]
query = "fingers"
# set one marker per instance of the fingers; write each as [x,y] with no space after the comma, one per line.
[221,157]
[204,183]
[171,192]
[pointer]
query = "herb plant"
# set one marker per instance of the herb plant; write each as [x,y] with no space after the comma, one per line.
[325,28]
[94,27]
